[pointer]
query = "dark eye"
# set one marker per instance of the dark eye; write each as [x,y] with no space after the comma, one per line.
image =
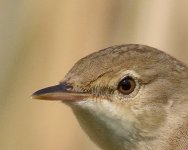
[127,85]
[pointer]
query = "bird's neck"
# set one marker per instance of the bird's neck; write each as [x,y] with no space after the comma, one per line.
[105,126]
[174,132]
[178,138]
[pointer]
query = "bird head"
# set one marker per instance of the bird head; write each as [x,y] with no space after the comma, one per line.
[123,95]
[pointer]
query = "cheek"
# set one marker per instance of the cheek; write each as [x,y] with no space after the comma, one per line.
[149,105]
[150,116]
[156,92]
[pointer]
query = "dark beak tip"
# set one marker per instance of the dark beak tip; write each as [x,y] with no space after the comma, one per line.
[33,96]
[51,89]
[36,95]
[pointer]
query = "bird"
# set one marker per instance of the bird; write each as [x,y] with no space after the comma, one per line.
[127,97]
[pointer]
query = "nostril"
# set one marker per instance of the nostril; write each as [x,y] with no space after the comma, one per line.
[65,87]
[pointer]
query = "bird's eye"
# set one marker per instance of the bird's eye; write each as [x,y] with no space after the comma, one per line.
[127,85]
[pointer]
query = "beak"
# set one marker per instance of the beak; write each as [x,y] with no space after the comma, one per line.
[61,92]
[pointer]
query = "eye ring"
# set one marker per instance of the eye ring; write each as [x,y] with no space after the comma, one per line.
[127,85]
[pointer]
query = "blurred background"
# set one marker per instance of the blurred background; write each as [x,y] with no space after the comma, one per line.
[41,40]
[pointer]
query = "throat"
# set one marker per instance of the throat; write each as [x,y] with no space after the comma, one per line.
[106,128]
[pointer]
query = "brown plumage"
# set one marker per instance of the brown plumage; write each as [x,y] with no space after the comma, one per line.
[128,97]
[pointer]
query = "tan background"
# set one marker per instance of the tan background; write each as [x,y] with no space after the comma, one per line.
[41,40]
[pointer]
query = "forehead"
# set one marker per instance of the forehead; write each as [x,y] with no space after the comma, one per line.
[114,59]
